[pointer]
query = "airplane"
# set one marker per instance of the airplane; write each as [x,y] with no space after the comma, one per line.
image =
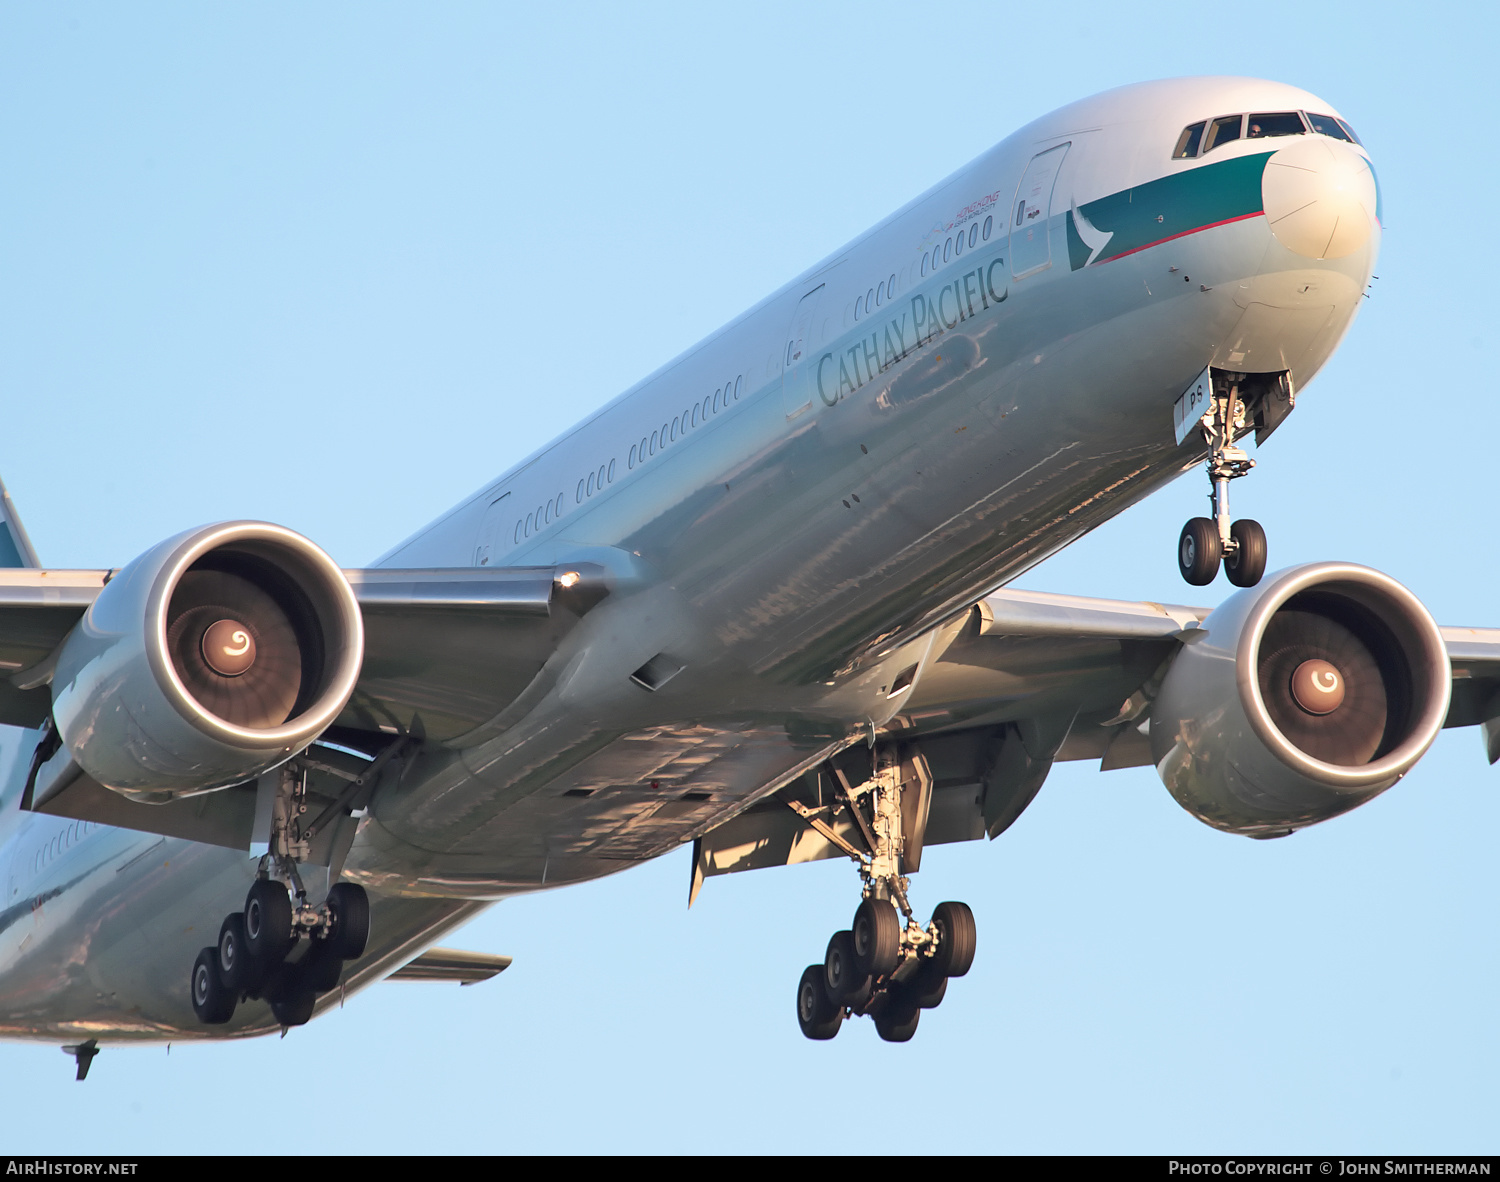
[757,603]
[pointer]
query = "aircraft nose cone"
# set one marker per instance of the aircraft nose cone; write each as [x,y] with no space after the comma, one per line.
[1319,197]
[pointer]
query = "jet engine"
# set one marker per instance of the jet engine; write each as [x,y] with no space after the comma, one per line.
[1300,699]
[214,656]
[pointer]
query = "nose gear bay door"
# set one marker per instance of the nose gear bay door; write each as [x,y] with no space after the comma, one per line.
[797,362]
[1030,214]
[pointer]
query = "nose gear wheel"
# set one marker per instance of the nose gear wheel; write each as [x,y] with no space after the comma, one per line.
[1206,543]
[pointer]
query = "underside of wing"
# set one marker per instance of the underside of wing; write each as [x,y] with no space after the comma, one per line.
[1032,679]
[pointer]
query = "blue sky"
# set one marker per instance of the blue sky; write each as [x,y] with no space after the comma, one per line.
[337,266]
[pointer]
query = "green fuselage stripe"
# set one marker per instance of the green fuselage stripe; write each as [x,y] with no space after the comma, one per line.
[1171,207]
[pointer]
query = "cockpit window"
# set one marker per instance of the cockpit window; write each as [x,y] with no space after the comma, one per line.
[1275,123]
[1189,141]
[1350,130]
[1327,125]
[1222,131]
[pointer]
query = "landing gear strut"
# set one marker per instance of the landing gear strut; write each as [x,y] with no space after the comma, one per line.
[1206,542]
[281,948]
[885,965]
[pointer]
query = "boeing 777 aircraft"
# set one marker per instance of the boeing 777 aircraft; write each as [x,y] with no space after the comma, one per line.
[756,603]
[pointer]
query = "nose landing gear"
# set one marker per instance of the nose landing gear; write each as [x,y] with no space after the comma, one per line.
[885,965]
[1207,542]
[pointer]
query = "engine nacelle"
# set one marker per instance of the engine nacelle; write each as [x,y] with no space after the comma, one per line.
[1305,697]
[211,658]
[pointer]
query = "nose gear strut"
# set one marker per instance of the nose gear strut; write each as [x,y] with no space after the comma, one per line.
[886,965]
[1206,542]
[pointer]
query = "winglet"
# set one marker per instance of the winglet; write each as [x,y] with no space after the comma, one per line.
[15,546]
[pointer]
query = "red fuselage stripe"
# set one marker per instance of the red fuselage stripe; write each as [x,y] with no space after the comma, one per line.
[1184,234]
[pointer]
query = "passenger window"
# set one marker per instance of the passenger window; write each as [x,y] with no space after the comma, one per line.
[973,233]
[630,462]
[890,288]
[924,263]
[880,294]
[1327,125]
[1223,131]
[988,223]
[958,244]
[609,474]
[737,382]
[947,250]
[1276,123]
[1189,141]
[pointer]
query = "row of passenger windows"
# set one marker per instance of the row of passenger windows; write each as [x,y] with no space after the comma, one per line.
[711,405]
[954,246]
[538,517]
[64,840]
[1198,139]
[596,481]
[875,297]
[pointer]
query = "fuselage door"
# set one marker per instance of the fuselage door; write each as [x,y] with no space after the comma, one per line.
[1030,212]
[796,389]
[487,544]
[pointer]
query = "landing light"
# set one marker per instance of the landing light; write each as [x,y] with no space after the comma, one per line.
[570,579]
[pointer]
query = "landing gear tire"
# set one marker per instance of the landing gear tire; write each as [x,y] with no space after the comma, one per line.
[322,970]
[349,908]
[237,969]
[896,1021]
[294,1006]
[817,1015]
[268,923]
[1199,551]
[957,939]
[212,1002]
[928,988]
[877,938]
[1248,562]
[846,985]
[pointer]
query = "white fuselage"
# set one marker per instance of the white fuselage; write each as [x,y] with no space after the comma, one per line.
[789,509]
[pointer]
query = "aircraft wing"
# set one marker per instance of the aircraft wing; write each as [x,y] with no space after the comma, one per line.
[1029,679]
[455,645]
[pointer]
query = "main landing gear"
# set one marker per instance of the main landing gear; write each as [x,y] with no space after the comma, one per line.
[254,957]
[1205,542]
[281,948]
[886,965]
